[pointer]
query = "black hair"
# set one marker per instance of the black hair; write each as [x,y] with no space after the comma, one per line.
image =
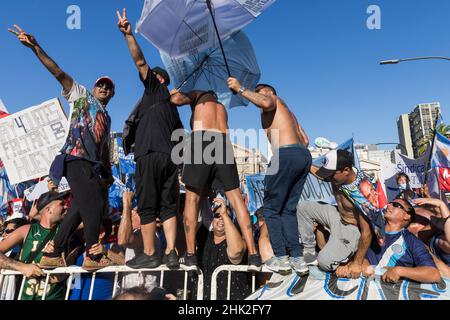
[267,86]
[401,174]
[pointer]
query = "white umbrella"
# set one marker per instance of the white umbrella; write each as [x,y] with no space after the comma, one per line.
[185,27]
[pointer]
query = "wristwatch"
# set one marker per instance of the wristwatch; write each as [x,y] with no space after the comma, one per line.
[242,89]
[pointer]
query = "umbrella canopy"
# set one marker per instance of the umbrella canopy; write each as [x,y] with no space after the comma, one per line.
[207,71]
[184,27]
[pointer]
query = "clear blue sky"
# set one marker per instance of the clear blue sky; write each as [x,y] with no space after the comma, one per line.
[319,54]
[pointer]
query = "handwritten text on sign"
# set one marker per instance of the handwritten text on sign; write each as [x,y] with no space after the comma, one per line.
[30,139]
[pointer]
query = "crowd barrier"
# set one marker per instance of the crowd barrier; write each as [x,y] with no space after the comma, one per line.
[117,270]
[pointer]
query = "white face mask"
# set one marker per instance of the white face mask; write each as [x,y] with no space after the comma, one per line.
[403,186]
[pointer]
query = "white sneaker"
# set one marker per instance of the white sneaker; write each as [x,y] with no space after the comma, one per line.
[278,264]
[299,265]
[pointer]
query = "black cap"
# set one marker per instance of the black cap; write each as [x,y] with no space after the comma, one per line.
[48,197]
[163,73]
[333,161]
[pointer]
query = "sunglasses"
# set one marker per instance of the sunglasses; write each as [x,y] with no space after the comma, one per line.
[8,231]
[105,85]
[399,206]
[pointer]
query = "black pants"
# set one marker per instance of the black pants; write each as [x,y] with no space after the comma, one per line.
[87,206]
[157,187]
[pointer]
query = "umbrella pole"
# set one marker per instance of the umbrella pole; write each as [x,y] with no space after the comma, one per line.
[208,2]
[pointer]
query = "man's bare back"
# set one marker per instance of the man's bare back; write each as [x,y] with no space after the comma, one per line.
[210,116]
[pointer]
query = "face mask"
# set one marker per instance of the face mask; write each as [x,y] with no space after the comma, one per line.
[403,186]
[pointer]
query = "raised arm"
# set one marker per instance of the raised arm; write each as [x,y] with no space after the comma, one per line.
[29,41]
[133,46]
[125,235]
[235,244]
[259,100]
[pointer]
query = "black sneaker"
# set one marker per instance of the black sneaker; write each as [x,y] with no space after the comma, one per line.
[254,262]
[144,261]
[189,260]
[171,260]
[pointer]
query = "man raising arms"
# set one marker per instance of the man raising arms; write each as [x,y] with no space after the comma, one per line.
[150,127]
[284,187]
[84,158]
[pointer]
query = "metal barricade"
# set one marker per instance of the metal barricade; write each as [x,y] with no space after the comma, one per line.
[230,269]
[73,270]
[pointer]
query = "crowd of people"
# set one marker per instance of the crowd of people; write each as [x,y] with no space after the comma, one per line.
[209,225]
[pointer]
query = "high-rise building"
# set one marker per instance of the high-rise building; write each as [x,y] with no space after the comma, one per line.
[404,136]
[421,122]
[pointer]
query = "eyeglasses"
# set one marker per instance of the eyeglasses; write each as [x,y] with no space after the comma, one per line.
[8,231]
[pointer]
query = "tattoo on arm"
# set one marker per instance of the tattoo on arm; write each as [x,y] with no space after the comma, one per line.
[8,263]
[259,100]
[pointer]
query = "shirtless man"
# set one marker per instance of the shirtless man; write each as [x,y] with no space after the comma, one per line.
[350,234]
[203,171]
[284,187]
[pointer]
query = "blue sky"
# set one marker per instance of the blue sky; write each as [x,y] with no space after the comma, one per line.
[319,54]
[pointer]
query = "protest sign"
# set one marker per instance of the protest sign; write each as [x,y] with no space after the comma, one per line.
[30,139]
[313,190]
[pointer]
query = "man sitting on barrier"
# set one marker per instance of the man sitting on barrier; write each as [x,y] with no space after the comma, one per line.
[224,246]
[34,238]
[402,255]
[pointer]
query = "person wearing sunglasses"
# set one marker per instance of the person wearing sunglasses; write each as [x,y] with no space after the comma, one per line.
[403,256]
[223,246]
[84,158]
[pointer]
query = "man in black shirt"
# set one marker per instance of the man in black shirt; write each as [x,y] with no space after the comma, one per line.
[152,124]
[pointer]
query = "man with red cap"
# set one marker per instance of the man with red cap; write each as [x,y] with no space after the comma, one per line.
[84,158]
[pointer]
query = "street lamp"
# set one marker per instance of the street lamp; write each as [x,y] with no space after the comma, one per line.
[396,61]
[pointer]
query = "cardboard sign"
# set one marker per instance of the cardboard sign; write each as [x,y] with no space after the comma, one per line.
[30,140]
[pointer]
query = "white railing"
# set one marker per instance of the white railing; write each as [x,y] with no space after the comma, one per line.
[230,269]
[73,270]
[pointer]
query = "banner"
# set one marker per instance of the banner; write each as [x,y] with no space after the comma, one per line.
[314,190]
[30,140]
[126,163]
[441,152]
[414,168]
[326,286]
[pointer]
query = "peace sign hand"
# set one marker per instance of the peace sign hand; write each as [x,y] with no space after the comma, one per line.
[27,39]
[123,23]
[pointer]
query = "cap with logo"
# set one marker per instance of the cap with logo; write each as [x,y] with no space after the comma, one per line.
[333,161]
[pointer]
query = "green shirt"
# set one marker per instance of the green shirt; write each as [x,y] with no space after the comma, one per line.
[34,287]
